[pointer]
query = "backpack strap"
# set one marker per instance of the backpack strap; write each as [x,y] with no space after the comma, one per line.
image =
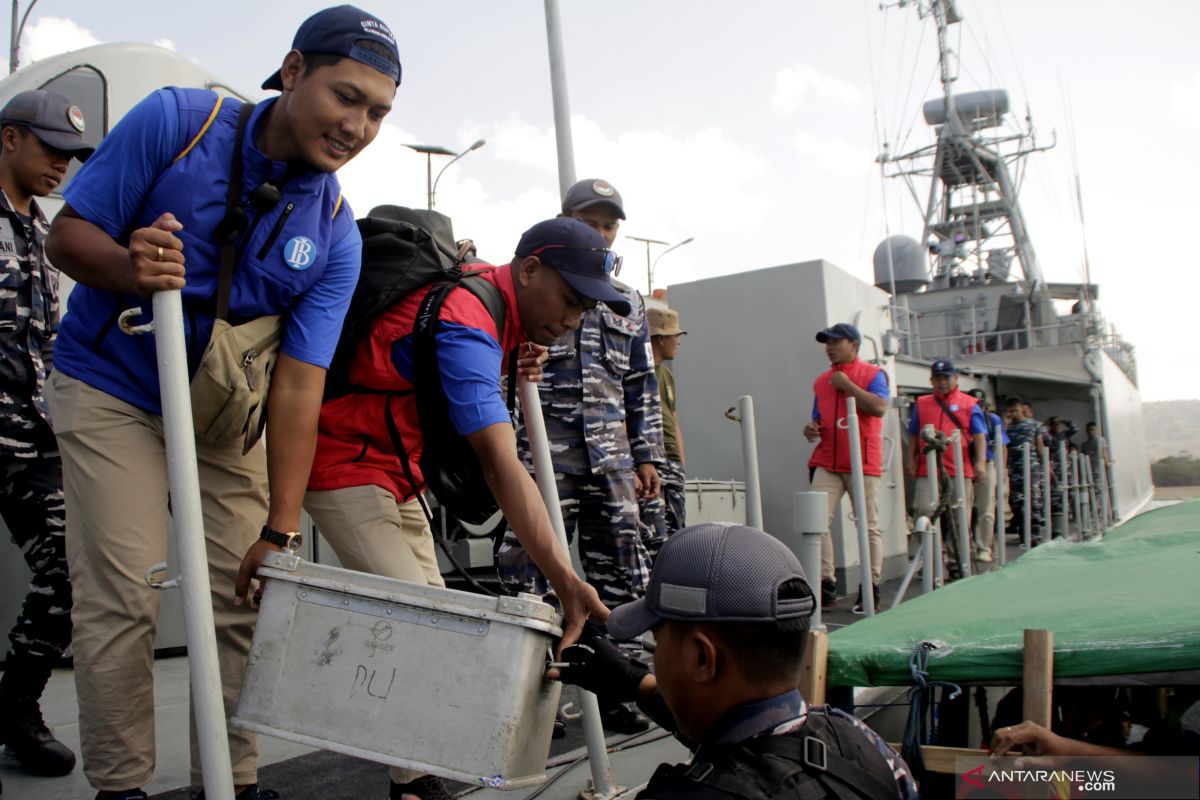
[233,224]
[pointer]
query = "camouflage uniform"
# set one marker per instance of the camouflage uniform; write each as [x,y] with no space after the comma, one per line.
[601,406]
[31,498]
[1020,434]
[666,513]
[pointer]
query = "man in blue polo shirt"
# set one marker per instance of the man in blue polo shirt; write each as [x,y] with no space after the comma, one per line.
[141,217]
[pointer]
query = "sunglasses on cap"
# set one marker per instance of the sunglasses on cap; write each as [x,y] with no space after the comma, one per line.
[612,261]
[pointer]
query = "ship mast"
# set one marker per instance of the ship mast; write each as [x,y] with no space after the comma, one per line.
[972,216]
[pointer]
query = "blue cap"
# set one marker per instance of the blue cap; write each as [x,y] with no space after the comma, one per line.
[581,257]
[52,118]
[943,367]
[337,31]
[715,572]
[842,330]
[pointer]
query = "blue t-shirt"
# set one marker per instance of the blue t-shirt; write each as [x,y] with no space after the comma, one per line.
[997,423]
[470,362]
[111,188]
[877,387]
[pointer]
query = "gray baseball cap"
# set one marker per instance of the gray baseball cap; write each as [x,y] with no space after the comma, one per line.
[716,572]
[53,118]
[592,192]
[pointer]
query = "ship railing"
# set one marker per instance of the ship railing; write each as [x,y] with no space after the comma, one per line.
[975,340]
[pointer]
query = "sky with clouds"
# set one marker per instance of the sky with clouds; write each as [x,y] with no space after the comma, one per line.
[754,127]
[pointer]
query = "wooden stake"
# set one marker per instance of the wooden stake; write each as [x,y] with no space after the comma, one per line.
[813,670]
[1039,676]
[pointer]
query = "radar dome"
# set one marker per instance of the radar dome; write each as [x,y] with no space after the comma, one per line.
[908,264]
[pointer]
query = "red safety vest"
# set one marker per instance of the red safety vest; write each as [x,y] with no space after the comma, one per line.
[833,449]
[353,444]
[930,412]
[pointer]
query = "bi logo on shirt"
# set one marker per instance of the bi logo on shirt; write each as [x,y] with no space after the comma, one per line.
[300,253]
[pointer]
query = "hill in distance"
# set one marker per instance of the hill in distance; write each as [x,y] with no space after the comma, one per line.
[1172,428]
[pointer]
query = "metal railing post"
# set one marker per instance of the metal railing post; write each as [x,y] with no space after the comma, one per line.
[960,502]
[1027,505]
[1001,459]
[1076,499]
[1064,488]
[931,469]
[811,521]
[1074,484]
[1047,506]
[1095,524]
[188,518]
[1105,502]
[860,508]
[745,419]
[543,467]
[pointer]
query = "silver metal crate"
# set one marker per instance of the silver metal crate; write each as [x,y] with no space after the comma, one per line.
[437,680]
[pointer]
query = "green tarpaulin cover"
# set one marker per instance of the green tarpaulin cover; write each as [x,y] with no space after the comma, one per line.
[1129,604]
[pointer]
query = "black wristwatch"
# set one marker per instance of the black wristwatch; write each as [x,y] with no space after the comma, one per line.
[290,541]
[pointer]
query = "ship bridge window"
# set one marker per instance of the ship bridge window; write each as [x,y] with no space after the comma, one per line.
[86,88]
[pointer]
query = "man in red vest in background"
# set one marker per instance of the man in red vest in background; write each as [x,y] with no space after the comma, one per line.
[948,410]
[829,467]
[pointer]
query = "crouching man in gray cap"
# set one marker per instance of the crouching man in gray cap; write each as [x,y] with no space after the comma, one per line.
[730,606]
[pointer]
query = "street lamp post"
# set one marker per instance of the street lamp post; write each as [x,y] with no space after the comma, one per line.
[649,268]
[433,191]
[431,150]
[18,25]
[651,265]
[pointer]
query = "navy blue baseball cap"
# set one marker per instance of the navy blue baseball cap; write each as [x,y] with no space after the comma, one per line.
[943,367]
[593,192]
[581,257]
[715,572]
[52,118]
[842,330]
[339,31]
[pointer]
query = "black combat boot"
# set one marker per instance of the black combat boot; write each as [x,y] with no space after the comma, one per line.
[21,726]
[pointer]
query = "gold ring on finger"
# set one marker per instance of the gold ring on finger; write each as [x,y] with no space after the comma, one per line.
[160,253]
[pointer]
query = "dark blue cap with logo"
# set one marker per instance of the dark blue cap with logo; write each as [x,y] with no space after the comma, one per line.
[580,255]
[715,572]
[842,330]
[52,118]
[943,367]
[338,31]
[593,192]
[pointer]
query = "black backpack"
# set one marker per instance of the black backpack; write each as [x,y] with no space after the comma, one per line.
[827,758]
[405,250]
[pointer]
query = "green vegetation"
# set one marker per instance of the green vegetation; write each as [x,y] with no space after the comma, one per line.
[1176,471]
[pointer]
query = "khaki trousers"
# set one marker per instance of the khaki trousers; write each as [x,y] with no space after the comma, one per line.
[985,510]
[835,484]
[116,492]
[371,532]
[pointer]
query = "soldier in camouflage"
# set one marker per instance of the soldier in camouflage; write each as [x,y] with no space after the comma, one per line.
[39,133]
[665,514]
[604,424]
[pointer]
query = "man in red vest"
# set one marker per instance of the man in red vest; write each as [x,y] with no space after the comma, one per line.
[829,467]
[948,410]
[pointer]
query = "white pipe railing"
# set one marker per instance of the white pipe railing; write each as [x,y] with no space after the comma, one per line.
[543,468]
[931,469]
[858,486]
[188,520]
[811,521]
[1000,458]
[745,418]
[1027,500]
[963,514]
